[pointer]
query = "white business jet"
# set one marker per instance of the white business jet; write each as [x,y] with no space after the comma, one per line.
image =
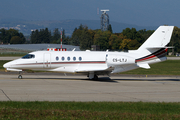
[94,63]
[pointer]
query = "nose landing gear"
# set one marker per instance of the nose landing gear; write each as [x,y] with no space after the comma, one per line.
[19,76]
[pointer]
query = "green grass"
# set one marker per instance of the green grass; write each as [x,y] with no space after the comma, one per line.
[169,67]
[89,110]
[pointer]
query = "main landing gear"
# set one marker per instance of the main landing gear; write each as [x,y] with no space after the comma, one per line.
[95,77]
[92,76]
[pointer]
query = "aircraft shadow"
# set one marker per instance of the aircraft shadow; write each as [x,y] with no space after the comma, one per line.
[176,79]
[104,79]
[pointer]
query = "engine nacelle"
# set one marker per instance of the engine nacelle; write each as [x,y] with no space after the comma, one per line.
[114,60]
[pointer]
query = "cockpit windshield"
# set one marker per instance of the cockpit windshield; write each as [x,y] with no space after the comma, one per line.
[28,56]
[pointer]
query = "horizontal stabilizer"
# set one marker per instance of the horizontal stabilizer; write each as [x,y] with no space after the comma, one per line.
[144,65]
[159,47]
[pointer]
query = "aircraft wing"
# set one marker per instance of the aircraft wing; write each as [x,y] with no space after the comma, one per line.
[97,70]
[92,69]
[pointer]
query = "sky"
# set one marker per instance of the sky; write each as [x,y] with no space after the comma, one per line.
[137,12]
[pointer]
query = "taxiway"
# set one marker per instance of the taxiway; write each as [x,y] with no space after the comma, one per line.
[47,87]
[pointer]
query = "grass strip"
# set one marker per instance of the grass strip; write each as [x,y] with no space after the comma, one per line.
[168,67]
[89,110]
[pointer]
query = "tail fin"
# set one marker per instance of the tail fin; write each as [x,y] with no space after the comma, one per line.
[155,46]
[160,38]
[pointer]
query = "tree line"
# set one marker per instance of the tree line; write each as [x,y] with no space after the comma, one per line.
[175,41]
[84,37]
[11,36]
[128,39]
[45,36]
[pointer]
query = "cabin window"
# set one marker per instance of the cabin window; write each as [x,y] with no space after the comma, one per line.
[74,58]
[80,58]
[28,56]
[68,58]
[62,58]
[57,58]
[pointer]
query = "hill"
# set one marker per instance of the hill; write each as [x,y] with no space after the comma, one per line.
[26,26]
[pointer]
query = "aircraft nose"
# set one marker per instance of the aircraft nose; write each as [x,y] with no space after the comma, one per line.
[6,65]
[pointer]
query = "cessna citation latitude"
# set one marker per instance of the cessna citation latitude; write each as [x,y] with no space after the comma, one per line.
[94,63]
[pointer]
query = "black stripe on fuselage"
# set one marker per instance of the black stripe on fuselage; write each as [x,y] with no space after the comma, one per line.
[160,53]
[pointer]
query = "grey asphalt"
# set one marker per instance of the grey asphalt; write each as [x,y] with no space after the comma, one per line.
[35,47]
[47,87]
[9,58]
[173,58]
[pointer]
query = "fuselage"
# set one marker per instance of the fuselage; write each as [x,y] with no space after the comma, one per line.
[71,61]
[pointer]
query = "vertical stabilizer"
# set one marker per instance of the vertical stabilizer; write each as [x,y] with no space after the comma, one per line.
[160,38]
[154,49]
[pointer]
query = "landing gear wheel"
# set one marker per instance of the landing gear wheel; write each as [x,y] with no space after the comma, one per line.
[20,76]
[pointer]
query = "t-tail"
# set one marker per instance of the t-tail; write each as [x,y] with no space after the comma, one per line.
[154,49]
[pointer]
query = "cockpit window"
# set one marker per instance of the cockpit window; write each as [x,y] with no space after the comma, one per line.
[28,56]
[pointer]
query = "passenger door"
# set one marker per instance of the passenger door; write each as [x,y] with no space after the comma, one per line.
[47,60]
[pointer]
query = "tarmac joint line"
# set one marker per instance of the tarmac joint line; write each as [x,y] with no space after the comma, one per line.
[5,95]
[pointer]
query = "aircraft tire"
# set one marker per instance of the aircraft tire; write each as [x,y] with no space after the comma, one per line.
[20,76]
[95,77]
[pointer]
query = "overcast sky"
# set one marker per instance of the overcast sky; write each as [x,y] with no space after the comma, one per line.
[138,12]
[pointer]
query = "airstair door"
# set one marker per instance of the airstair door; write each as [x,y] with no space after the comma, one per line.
[47,60]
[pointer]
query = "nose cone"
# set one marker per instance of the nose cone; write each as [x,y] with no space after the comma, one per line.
[6,65]
[10,66]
